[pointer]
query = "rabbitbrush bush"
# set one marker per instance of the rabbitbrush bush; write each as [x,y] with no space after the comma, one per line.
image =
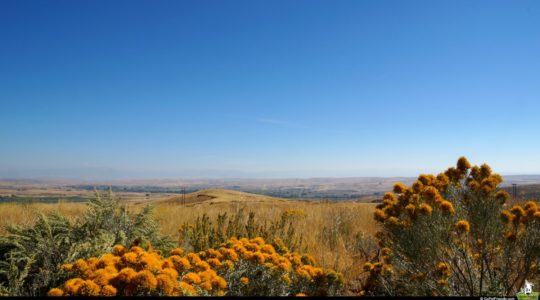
[454,234]
[239,267]
[30,258]
[206,233]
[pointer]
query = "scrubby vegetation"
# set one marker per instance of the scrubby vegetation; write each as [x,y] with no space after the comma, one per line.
[238,268]
[90,257]
[456,233]
[30,257]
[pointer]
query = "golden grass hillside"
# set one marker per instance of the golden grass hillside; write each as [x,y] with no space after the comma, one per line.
[319,223]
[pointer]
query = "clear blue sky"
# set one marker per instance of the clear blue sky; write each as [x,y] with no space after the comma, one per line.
[267,88]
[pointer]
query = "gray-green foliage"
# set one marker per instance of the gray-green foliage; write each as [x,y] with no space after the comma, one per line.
[207,233]
[30,258]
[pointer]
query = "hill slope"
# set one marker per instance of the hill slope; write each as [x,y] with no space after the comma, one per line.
[217,196]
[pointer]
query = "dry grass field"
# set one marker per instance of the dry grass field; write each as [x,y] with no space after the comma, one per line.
[345,219]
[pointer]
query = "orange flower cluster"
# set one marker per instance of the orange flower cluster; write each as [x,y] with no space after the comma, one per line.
[293,265]
[529,212]
[406,204]
[421,197]
[443,269]
[138,272]
[463,226]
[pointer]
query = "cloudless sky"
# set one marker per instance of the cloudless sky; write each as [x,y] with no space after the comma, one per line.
[276,88]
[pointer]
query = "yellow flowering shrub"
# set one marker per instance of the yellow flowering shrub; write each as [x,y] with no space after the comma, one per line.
[253,267]
[454,234]
[238,267]
[136,272]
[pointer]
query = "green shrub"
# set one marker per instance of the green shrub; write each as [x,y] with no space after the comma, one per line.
[30,258]
[206,233]
[452,234]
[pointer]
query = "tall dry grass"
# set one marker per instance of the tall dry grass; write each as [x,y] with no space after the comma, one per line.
[328,229]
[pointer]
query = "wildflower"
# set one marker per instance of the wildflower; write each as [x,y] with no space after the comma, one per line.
[228,265]
[170,272]
[249,255]
[80,265]
[119,250]
[269,249]
[188,289]
[191,278]
[453,174]
[244,280]
[146,280]
[102,276]
[193,258]
[485,170]
[206,286]
[473,185]
[89,288]
[518,211]
[300,295]
[399,188]
[308,259]
[463,164]
[443,269]
[430,193]
[72,286]
[180,263]
[507,216]
[463,226]
[137,250]
[389,196]
[417,186]
[529,205]
[150,262]
[67,267]
[537,215]
[232,255]
[426,179]
[177,251]
[259,257]
[410,208]
[55,292]
[214,254]
[502,196]
[219,282]
[285,266]
[447,206]
[442,181]
[380,215]
[303,272]
[129,258]
[108,290]
[125,275]
[202,266]
[214,262]
[393,221]
[258,240]
[425,209]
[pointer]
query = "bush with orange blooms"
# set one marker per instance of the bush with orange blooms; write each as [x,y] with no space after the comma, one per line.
[453,234]
[239,267]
